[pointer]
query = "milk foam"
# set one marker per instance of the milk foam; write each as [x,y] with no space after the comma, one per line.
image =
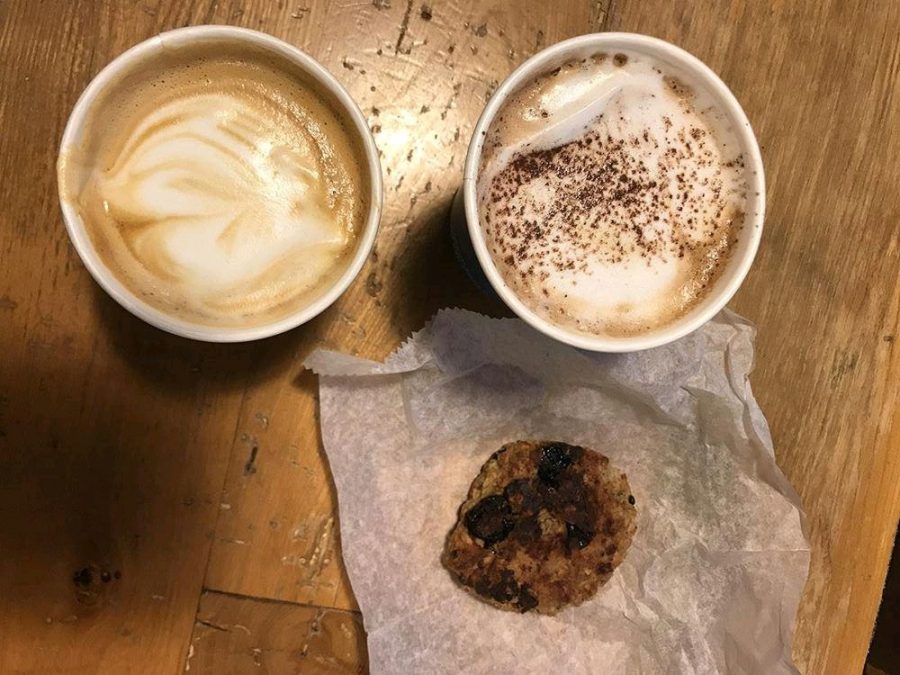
[222,195]
[206,191]
[610,194]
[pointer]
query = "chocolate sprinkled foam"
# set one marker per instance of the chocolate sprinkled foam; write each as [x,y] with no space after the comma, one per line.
[610,194]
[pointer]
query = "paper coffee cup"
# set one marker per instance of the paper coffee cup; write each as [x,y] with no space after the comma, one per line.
[358,126]
[469,240]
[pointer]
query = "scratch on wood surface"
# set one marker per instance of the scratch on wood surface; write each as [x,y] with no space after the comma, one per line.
[404,26]
[843,364]
[373,285]
[229,540]
[457,88]
[315,557]
[214,626]
[250,466]
[601,11]
[313,630]
[190,655]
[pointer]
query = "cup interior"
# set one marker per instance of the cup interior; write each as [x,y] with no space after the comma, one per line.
[744,250]
[306,67]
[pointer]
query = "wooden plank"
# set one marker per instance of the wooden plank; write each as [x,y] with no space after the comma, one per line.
[235,635]
[818,81]
[422,78]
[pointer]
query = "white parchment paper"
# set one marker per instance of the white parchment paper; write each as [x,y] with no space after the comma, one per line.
[712,580]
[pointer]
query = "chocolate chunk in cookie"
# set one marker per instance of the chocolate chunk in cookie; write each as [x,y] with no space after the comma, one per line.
[490,520]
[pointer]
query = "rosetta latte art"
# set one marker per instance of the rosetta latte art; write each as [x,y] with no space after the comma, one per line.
[225,199]
[203,195]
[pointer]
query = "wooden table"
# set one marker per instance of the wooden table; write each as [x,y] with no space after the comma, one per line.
[165,504]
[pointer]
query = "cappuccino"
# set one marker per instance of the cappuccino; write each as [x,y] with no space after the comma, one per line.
[219,183]
[610,194]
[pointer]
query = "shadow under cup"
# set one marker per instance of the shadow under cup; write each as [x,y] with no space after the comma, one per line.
[295,64]
[468,237]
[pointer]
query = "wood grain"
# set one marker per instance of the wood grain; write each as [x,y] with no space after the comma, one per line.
[235,635]
[181,465]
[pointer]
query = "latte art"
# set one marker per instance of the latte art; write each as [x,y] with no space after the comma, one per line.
[611,194]
[227,192]
[208,193]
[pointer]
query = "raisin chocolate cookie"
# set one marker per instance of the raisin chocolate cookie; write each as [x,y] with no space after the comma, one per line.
[543,527]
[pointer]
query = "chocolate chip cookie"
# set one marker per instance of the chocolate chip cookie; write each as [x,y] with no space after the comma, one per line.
[544,526]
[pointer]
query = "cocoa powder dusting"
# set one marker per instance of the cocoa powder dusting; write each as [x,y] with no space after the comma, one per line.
[605,200]
[620,194]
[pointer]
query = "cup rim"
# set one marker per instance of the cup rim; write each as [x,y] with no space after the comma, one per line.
[127,298]
[723,290]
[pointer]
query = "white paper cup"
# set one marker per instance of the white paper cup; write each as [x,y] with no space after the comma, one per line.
[206,34]
[741,255]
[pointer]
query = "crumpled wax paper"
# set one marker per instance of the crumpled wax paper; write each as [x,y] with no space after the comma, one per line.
[714,575]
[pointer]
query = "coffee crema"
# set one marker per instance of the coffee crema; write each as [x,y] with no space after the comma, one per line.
[610,194]
[220,184]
